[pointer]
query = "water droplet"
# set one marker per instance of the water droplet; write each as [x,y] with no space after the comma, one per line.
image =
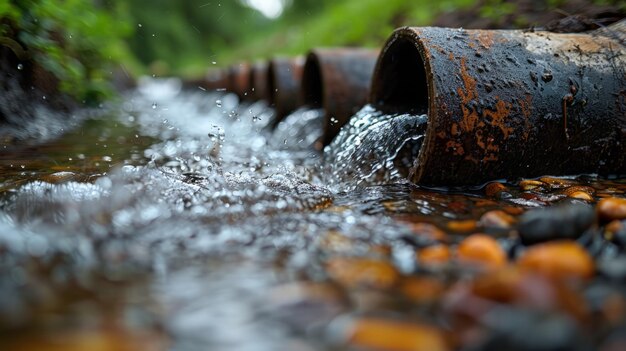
[547,76]
[218,103]
[20,66]
[154,105]
[139,25]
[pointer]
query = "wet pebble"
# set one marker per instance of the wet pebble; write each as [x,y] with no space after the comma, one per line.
[616,341]
[462,226]
[481,250]
[527,330]
[362,272]
[496,219]
[578,189]
[422,290]
[616,232]
[581,195]
[497,190]
[434,255]
[513,287]
[613,268]
[382,334]
[528,185]
[557,183]
[429,231]
[558,222]
[564,259]
[305,305]
[611,208]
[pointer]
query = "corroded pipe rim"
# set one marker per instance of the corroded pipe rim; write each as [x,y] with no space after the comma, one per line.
[257,81]
[271,83]
[251,81]
[413,66]
[312,91]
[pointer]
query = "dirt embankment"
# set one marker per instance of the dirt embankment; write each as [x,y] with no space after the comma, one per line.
[566,16]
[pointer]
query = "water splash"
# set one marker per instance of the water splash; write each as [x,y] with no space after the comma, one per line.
[300,131]
[213,183]
[373,148]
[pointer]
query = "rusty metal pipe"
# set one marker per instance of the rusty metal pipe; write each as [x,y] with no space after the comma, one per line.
[283,83]
[239,79]
[508,104]
[258,81]
[337,80]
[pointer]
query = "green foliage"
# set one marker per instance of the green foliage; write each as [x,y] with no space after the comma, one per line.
[497,9]
[341,23]
[177,34]
[75,40]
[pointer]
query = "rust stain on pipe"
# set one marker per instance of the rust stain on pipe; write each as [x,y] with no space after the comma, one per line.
[258,81]
[239,79]
[283,84]
[337,80]
[508,104]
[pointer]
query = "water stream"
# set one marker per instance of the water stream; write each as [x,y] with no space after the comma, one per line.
[364,153]
[180,218]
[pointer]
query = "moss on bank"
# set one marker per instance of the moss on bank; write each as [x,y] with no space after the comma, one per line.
[78,43]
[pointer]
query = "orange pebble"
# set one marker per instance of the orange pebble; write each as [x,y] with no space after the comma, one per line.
[558,259]
[462,226]
[356,272]
[578,188]
[614,227]
[530,184]
[581,195]
[483,250]
[433,255]
[428,230]
[380,334]
[611,208]
[496,219]
[557,183]
[494,188]
[422,289]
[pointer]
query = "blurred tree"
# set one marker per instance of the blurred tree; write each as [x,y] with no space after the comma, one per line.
[177,33]
[298,9]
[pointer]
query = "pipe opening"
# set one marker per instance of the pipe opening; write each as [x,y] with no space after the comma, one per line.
[252,82]
[271,84]
[312,88]
[400,83]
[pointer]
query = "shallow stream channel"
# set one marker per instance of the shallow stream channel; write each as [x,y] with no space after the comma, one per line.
[179,220]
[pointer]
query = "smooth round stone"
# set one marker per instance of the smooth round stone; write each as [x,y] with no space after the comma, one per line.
[559,222]
[527,330]
[613,268]
[382,334]
[481,250]
[611,208]
[563,259]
